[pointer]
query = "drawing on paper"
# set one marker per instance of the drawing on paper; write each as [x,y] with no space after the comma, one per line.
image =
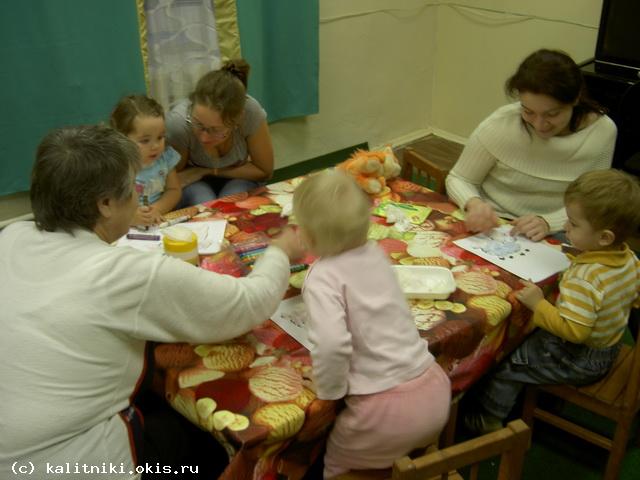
[297,315]
[292,316]
[502,245]
[530,260]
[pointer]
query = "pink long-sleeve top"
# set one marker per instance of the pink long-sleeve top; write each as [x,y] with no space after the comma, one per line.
[363,337]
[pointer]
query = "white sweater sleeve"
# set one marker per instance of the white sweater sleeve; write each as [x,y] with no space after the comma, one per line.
[184,303]
[466,177]
[555,220]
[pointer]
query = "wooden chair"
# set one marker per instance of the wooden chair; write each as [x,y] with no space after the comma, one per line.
[614,397]
[448,434]
[433,173]
[510,443]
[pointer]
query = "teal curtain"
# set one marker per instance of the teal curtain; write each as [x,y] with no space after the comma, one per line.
[64,62]
[279,39]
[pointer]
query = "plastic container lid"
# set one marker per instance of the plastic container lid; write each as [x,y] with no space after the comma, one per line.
[418,281]
[179,239]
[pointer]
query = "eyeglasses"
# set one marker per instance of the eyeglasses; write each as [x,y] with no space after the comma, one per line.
[216,132]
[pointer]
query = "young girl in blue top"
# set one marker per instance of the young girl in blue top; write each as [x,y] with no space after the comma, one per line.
[142,120]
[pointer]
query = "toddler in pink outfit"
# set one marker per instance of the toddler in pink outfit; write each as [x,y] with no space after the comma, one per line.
[365,346]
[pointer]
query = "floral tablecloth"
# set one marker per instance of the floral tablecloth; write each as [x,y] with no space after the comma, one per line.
[251,393]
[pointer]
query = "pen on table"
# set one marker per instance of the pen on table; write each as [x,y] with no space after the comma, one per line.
[145,203]
[240,249]
[252,253]
[143,236]
[298,267]
[249,260]
[173,221]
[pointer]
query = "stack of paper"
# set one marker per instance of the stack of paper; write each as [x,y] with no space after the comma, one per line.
[210,235]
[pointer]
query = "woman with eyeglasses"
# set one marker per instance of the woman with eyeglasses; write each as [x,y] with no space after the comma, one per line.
[222,136]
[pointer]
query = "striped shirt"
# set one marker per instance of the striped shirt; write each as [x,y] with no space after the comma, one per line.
[597,291]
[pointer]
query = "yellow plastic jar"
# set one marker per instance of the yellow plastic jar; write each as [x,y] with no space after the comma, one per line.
[180,242]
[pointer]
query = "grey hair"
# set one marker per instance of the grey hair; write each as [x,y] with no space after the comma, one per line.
[75,168]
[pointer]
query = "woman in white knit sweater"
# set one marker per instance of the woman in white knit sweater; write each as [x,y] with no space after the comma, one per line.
[519,161]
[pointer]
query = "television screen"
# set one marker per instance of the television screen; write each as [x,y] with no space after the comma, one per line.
[618,46]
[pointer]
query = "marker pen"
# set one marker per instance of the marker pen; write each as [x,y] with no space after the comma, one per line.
[142,236]
[298,267]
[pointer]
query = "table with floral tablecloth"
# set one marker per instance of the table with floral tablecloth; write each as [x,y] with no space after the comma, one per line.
[252,393]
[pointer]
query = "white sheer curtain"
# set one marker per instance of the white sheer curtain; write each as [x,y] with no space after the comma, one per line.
[183,45]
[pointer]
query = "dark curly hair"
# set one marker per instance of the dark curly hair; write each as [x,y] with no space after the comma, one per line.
[554,73]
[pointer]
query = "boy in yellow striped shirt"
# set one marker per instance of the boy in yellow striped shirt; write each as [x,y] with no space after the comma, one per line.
[579,337]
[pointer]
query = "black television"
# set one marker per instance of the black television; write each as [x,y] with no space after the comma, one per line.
[618,45]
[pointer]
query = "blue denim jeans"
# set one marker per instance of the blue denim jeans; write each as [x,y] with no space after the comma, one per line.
[210,188]
[543,359]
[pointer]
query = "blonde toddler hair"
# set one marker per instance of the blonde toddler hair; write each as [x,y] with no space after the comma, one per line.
[332,211]
[610,199]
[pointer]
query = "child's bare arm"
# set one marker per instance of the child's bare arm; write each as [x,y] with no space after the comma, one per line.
[171,195]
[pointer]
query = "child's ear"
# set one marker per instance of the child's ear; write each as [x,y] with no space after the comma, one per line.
[607,237]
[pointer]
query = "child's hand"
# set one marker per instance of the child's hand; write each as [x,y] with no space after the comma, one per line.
[530,295]
[147,215]
[289,242]
[156,216]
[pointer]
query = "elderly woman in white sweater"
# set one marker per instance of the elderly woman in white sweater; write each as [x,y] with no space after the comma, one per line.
[77,312]
[519,161]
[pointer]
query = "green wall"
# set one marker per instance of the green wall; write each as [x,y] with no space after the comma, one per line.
[64,62]
[279,39]
[67,62]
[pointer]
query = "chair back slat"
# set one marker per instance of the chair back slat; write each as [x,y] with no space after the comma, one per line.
[615,397]
[631,399]
[433,174]
[510,443]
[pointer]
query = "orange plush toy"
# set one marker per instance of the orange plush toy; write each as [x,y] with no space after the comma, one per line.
[372,169]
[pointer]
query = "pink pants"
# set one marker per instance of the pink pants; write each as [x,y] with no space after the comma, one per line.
[374,430]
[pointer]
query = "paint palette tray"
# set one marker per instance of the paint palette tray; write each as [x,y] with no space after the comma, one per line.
[419,281]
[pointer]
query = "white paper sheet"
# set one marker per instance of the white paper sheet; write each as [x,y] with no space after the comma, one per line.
[210,235]
[292,316]
[529,260]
